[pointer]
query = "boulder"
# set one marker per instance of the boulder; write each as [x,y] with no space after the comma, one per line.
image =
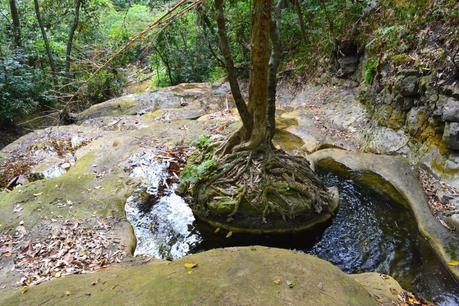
[415,120]
[233,276]
[451,110]
[451,135]
[408,86]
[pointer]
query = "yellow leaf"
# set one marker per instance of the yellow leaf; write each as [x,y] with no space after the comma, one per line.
[411,300]
[67,293]
[189,272]
[217,230]
[277,281]
[57,275]
[190,265]
[37,194]
[230,233]
[454,263]
[24,290]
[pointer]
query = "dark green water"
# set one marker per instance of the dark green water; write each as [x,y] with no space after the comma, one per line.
[368,234]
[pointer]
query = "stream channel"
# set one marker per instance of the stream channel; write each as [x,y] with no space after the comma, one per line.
[369,233]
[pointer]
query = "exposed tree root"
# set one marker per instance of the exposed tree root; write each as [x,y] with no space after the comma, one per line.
[264,188]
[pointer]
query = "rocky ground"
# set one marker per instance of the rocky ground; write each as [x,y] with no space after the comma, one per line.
[65,187]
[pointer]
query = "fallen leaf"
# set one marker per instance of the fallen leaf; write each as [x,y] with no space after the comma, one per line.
[94,282]
[67,293]
[454,263]
[57,275]
[7,254]
[37,194]
[190,265]
[276,281]
[189,272]
[230,233]
[217,230]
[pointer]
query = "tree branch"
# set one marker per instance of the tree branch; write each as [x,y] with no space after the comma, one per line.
[231,71]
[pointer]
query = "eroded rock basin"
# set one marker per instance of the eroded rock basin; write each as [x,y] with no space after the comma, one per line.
[369,233]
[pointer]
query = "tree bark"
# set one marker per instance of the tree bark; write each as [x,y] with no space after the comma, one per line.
[16,23]
[76,19]
[274,62]
[231,71]
[45,40]
[258,85]
[299,13]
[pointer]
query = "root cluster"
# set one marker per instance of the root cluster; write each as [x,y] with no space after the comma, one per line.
[261,187]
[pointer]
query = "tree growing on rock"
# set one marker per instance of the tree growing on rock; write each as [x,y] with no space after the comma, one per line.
[250,186]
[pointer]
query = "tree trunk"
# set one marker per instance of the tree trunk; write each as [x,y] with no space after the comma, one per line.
[299,13]
[231,71]
[16,23]
[76,19]
[274,62]
[166,63]
[258,85]
[45,40]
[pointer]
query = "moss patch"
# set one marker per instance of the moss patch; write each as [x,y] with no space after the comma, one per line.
[89,196]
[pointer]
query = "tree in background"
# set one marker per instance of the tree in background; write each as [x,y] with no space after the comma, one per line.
[16,23]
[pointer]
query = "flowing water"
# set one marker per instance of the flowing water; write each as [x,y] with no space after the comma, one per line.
[368,233]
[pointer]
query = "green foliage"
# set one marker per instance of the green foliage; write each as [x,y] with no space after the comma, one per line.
[193,172]
[199,162]
[370,70]
[217,74]
[104,86]
[202,142]
[22,89]
[187,49]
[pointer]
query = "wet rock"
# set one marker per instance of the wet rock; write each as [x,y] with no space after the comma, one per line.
[451,135]
[408,86]
[451,110]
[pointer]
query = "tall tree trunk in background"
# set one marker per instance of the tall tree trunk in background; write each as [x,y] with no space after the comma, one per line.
[258,85]
[166,63]
[16,23]
[274,62]
[299,13]
[45,40]
[76,19]
[231,71]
